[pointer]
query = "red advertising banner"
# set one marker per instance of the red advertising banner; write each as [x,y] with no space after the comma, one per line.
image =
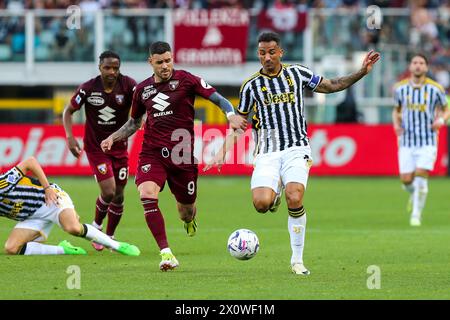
[337,149]
[283,20]
[210,36]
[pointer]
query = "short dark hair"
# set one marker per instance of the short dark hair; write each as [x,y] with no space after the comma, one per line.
[160,47]
[419,54]
[108,54]
[269,36]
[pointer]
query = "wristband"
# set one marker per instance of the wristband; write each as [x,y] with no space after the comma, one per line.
[47,187]
[231,113]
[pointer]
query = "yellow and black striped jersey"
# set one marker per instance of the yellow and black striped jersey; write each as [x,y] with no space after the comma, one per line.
[418,104]
[20,196]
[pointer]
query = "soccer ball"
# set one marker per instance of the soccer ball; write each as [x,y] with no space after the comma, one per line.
[243,244]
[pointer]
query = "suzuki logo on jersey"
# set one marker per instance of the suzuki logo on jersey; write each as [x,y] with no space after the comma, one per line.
[161,104]
[106,114]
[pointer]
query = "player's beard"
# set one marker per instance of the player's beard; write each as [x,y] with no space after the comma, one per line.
[165,75]
[418,74]
[109,81]
[270,68]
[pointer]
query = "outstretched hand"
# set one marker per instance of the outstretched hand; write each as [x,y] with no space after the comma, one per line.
[107,144]
[51,197]
[237,122]
[437,124]
[398,130]
[218,160]
[74,146]
[369,61]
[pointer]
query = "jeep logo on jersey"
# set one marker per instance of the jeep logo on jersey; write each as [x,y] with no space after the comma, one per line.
[106,114]
[96,101]
[161,102]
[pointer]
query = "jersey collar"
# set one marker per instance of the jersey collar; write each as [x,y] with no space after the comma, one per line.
[271,77]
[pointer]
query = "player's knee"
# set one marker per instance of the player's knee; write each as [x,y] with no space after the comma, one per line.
[12,248]
[148,194]
[261,205]
[108,195]
[118,198]
[407,181]
[294,199]
[73,229]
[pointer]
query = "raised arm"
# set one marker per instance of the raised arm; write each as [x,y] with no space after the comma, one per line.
[72,143]
[339,84]
[128,129]
[31,164]
[236,122]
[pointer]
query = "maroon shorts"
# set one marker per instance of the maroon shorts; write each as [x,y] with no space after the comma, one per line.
[182,179]
[106,166]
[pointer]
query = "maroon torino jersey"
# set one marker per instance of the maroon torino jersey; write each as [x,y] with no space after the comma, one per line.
[169,106]
[105,112]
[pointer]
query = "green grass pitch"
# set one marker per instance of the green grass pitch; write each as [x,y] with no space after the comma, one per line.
[353,223]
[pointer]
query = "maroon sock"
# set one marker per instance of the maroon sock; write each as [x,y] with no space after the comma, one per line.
[114,214]
[101,209]
[155,221]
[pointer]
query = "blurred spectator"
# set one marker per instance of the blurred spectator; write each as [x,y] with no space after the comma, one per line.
[347,111]
[423,22]
[88,8]
[15,6]
[63,45]
[162,4]
[441,73]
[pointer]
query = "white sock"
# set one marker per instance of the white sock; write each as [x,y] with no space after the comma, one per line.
[419,196]
[166,250]
[297,227]
[35,248]
[99,237]
[99,227]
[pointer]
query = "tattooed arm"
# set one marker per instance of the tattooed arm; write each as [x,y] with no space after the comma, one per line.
[128,129]
[339,84]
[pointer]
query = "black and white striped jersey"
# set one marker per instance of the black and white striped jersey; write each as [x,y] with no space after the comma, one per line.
[278,104]
[418,104]
[20,196]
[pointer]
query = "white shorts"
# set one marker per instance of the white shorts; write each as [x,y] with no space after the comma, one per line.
[411,158]
[291,165]
[46,216]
